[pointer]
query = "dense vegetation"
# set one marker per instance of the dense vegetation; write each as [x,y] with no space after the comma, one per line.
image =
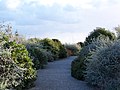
[15,64]
[19,58]
[97,32]
[45,50]
[72,49]
[103,70]
[78,65]
[98,62]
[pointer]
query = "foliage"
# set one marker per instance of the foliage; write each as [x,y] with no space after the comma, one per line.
[33,41]
[97,32]
[117,29]
[73,48]
[39,56]
[49,56]
[81,44]
[55,47]
[62,53]
[11,75]
[37,52]
[78,66]
[103,69]
[19,55]
[49,45]
[46,50]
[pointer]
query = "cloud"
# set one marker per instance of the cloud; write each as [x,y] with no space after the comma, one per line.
[72,19]
[33,12]
[69,8]
[74,3]
[12,4]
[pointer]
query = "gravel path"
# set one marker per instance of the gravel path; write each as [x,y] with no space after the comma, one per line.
[57,76]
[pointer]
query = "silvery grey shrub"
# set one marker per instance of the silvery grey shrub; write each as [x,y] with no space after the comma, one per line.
[79,64]
[103,69]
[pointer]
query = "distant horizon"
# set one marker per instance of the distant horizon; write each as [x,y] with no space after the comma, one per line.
[63,42]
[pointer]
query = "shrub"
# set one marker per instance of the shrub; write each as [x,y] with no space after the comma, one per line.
[62,53]
[49,56]
[72,49]
[38,55]
[97,32]
[50,45]
[55,47]
[78,66]
[103,69]
[46,50]
[117,29]
[81,44]
[11,75]
[20,56]
[38,52]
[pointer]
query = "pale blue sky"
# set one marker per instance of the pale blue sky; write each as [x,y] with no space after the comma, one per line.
[67,20]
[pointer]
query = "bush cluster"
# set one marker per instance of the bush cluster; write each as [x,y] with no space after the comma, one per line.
[78,66]
[15,64]
[20,58]
[45,50]
[55,46]
[103,70]
[98,62]
[72,49]
[97,32]
[11,75]
[40,56]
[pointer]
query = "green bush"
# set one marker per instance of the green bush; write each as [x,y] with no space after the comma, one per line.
[97,32]
[62,53]
[55,47]
[103,70]
[46,50]
[50,45]
[20,56]
[11,75]
[78,66]
[39,57]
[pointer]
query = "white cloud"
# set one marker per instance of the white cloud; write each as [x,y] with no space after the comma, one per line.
[12,4]
[74,3]
[67,20]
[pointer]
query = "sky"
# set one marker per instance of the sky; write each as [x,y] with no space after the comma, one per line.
[70,21]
